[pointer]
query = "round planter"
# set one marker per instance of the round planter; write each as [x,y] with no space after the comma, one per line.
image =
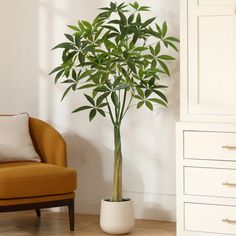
[117,217]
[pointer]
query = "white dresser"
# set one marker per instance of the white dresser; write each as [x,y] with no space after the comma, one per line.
[206,133]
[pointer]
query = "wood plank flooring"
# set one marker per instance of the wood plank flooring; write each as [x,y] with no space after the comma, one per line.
[56,224]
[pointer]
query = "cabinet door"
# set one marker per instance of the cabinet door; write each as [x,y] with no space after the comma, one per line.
[211,61]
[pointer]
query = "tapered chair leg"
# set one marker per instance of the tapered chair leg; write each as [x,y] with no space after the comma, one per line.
[71,211]
[38,212]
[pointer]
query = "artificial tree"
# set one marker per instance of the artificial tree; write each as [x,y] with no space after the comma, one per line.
[118,60]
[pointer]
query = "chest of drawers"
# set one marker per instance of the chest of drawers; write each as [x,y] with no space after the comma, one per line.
[206,179]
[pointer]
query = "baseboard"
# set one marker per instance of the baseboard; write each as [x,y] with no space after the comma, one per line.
[152,206]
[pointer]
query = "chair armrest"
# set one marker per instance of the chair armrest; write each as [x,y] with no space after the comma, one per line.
[49,144]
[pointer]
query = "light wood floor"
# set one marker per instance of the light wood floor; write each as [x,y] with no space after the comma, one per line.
[56,224]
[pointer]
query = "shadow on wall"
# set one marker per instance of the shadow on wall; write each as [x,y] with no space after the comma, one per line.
[94,182]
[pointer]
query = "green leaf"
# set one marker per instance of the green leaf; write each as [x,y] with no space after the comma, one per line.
[74,75]
[136,5]
[66,92]
[101,112]
[140,91]
[94,93]
[115,99]
[90,99]
[85,74]
[103,104]
[140,49]
[58,75]
[82,108]
[148,56]
[140,104]
[104,8]
[104,15]
[154,63]
[148,92]
[117,22]
[148,22]
[68,81]
[113,5]
[158,28]
[69,37]
[55,70]
[130,19]
[108,83]
[92,114]
[73,27]
[65,46]
[151,82]
[111,28]
[86,24]
[164,67]
[102,89]
[123,86]
[138,19]
[87,86]
[135,38]
[137,97]
[81,25]
[157,49]
[149,105]
[162,95]
[152,50]
[123,19]
[166,57]
[77,40]
[101,98]
[159,101]
[81,58]
[144,8]
[164,29]
[116,82]
[161,86]
[172,39]
[132,67]
[172,45]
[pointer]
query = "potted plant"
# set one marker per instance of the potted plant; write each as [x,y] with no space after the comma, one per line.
[118,61]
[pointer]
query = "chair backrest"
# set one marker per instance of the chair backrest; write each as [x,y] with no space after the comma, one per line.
[49,144]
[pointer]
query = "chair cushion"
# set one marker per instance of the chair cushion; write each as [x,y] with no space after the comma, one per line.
[15,140]
[31,179]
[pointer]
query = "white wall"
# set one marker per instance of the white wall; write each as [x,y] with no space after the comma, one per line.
[29,29]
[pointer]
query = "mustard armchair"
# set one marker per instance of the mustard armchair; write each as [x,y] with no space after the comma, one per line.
[32,185]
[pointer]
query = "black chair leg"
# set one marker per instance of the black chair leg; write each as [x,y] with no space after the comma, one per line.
[71,210]
[38,213]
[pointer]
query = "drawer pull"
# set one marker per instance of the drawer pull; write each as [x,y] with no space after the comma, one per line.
[229,147]
[229,184]
[229,221]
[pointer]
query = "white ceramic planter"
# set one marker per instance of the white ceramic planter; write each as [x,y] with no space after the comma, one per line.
[117,217]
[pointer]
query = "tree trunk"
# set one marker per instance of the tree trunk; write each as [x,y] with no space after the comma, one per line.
[117,175]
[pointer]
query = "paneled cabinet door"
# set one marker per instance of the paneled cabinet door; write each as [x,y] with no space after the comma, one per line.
[208,90]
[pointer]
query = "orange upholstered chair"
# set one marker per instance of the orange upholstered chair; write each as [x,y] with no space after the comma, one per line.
[33,185]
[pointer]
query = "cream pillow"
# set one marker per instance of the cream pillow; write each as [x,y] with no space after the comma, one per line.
[15,140]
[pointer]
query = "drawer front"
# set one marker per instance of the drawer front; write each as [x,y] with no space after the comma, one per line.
[210,218]
[210,182]
[210,145]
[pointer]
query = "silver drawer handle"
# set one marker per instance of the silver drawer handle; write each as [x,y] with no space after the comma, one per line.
[229,221]
[229,147]
[229,184]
